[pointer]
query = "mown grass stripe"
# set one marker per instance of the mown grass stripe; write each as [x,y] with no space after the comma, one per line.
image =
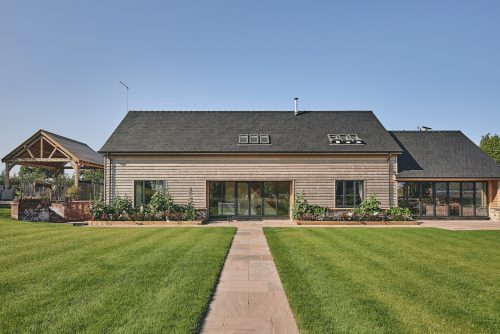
[121,280]
[384,280]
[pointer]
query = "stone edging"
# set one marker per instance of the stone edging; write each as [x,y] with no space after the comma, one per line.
[351,222]
[142,223]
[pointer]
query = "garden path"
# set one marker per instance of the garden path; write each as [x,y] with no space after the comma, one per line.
[249,297]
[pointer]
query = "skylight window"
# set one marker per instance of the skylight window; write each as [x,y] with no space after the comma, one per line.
[243,139]
[264,139]
[345,139]
[254,139]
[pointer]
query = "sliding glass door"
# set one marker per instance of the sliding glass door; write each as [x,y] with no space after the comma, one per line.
[249,199]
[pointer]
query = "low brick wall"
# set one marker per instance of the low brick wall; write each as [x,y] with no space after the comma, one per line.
[14,210]
[36,210]
[73,211]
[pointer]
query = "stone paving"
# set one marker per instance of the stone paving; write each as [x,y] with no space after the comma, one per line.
[249,297]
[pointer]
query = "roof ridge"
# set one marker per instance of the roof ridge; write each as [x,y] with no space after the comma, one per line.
[73,140]
[246,111]
[424,130]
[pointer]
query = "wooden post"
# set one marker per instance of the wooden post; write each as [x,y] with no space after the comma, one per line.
[6,175]
[76,174]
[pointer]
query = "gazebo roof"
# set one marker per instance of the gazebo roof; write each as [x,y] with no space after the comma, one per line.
[49,150]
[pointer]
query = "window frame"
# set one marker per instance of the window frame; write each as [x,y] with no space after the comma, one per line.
[142,182]
[253,138]
[484,189]
[264,139]
[243,139]
[344,195]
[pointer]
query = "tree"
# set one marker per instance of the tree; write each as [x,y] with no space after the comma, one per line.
[36,174]
[95,176]
[2,177]
[490,144]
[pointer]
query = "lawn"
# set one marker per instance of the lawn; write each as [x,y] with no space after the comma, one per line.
[374,280]
[64,279]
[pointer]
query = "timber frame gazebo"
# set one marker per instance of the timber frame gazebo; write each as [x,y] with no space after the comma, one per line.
[49,150]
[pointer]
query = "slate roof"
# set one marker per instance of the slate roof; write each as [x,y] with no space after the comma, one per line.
[442,154]
[78,149]
[81,151]
[218,131]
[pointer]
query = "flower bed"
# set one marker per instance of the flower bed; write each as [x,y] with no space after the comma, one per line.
[144,223]
[161,209]
[367,213]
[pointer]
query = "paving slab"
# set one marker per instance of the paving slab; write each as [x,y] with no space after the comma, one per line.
[249,297]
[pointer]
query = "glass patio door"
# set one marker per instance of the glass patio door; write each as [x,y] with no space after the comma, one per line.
[249,199]
[255,199]
[243,199]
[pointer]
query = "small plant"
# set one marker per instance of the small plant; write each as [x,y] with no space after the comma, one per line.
[72,192]
[301,206]
[368,207]
[158,203]
[122,207]
[399,213]
[100,210]
[190,211]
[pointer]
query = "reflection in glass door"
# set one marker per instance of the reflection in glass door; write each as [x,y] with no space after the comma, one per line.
[243,199]
[454,198]
[249,199]
[256,199]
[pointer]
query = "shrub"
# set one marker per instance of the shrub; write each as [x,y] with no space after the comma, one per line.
[398,213]
[368,207]
[122,207]
[303,210]
[202,214]
[158,203]
[300,207]
[72,192]
[100,210]
[190,211]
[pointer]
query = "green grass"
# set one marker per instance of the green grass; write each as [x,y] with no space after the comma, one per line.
[64,279]
[390,280]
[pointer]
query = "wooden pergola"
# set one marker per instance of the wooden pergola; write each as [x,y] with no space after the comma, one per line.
[49,150]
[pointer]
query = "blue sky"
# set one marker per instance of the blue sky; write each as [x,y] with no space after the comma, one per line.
[434,63]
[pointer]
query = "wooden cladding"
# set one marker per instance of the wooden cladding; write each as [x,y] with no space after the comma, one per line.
[315,175]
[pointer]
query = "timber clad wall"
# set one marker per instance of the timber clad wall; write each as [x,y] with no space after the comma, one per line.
[494,205]
[313,174]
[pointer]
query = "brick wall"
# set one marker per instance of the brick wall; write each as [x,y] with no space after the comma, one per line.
[43,211]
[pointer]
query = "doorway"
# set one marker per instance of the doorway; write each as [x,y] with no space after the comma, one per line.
[249,199]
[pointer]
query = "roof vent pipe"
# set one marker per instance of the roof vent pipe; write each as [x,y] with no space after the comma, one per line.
[296,109]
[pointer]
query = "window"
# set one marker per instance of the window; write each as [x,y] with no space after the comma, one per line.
[243,139]
[264,139]
[427,199]
[349,194]
[442,199]
[481,199]
[144,190]
[468,198]
[254,138]
[349,139]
